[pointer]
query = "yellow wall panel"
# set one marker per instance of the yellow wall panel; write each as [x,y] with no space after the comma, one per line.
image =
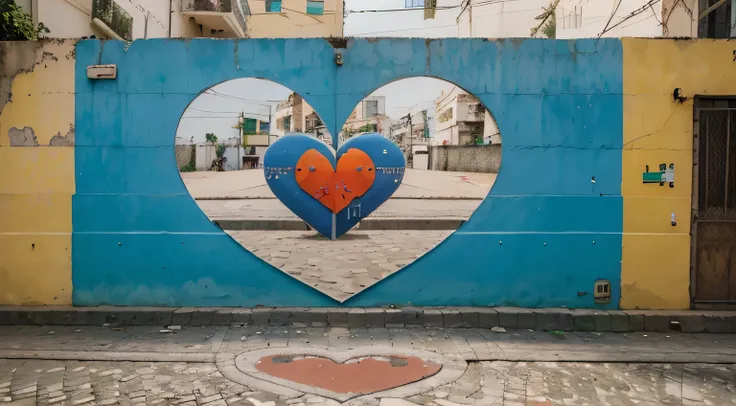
[655,265]
[655,271]
[50,213]
[653,215]
[37,170]
[37,270]
[37,181]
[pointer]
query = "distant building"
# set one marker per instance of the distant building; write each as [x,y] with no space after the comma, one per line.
[130,20]
[461,119]
[295,115]
[417,126]
[369,116]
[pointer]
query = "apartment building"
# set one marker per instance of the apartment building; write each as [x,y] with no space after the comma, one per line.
[135,19]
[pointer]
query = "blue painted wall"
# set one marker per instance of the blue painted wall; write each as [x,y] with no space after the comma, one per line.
[545,232]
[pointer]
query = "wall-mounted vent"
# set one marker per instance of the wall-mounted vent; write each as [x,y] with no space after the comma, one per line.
[602,291]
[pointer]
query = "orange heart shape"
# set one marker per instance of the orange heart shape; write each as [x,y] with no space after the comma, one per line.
[335,189]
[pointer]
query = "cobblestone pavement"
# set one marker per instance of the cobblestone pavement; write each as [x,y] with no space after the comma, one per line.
[342,267]
[249,209]
[31,382]
[416,184]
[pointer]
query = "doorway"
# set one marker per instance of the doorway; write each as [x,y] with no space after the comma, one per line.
[714,204]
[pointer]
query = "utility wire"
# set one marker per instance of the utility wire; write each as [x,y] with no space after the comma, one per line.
[615,9]
[630,16]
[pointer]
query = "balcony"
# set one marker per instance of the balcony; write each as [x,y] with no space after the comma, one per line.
[115,22]
[225,16]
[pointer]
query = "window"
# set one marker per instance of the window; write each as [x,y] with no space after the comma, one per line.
[250,126]
[287,123]
[413,3]
[315,7]
[273,6]
[370,108]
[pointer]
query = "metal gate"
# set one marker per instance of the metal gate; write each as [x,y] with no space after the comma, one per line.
[714,206]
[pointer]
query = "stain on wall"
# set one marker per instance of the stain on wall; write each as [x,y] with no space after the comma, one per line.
[36,108]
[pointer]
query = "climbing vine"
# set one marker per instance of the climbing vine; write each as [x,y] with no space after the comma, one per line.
[16,25]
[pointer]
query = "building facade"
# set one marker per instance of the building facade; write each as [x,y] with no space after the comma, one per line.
[630,18]
[368,116]
[461,119]
[138,19]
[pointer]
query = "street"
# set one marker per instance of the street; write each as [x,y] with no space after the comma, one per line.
[210,365]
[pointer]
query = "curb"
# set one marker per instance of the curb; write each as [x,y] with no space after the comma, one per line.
[687,321]
[377,224]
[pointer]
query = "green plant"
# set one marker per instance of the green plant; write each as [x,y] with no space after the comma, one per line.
[16,25]
[550,30]
[211,138]
[220,150]
[557,333]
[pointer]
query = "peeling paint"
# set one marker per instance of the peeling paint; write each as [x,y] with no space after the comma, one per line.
[63,141]
[25,137]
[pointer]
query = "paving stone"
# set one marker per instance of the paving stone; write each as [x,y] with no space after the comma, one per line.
[394,318]
[657,322]
[508,317]
[356,318]
[451,318]
[261,316]
[619,320]
[487,317]
[222,317]
[412,316]
[584,320]
[375,317]
[431,318]
[241,316]
[470,317]
[337,317]
[636,321]
[692,323]
[554,319]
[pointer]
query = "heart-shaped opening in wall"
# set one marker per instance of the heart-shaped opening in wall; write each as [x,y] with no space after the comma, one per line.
[413,160]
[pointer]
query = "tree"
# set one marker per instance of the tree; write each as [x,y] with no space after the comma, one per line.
[211,138]
[550,30]
[16,25]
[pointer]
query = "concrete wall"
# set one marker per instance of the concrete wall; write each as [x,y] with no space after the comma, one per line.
[184,155]
[471,158]
[91,183]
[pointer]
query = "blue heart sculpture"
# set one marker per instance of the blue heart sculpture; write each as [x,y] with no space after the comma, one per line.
[280,165]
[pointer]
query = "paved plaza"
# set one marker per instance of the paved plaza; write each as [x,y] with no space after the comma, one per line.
[273,209]
[130,365]
[417,184]
[342,267]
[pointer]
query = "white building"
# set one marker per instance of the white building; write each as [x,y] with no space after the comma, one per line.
[461,119]
[134,19]
[368,116]
[516,19]
[418,126]
[480,19]
[628,18]
[295,115]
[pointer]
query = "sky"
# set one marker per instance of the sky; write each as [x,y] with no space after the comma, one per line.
[217,109]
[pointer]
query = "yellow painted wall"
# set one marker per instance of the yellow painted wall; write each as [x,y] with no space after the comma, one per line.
[293,22]
[38,181]
[655,266]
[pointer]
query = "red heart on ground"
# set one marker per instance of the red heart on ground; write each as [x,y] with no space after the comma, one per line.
[363,376]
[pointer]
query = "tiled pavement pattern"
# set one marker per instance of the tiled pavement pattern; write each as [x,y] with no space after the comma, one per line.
[343,267]
[484,383]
